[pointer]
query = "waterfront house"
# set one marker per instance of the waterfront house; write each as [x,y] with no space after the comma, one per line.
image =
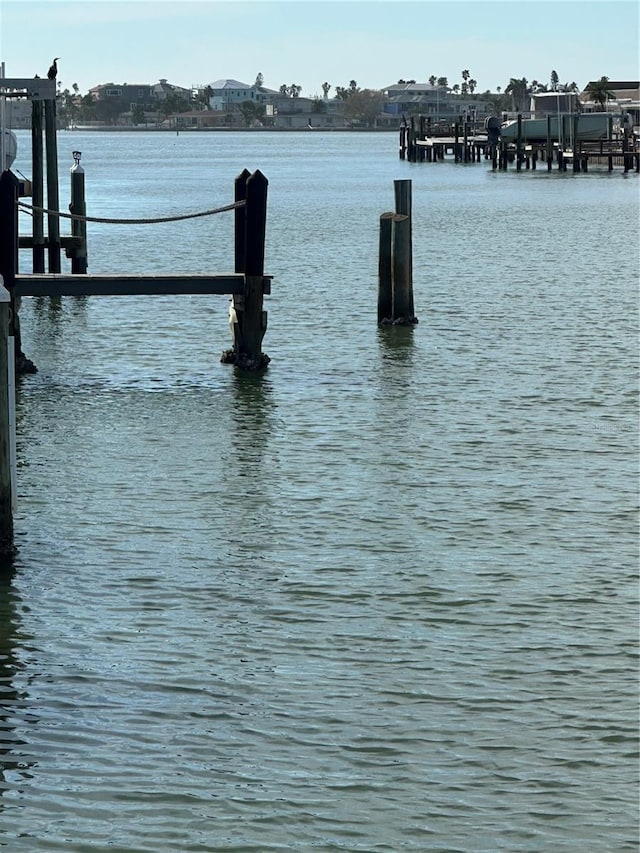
[436,102]
[127,96]
[294,113]
[227,95]
[626,98]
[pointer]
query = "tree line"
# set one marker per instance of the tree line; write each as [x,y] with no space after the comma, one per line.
[360,105]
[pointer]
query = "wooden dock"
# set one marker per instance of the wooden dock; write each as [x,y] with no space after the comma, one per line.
[421,142]
[126,284]
[247,285]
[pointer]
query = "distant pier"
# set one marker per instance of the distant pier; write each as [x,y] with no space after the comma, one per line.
[463,141]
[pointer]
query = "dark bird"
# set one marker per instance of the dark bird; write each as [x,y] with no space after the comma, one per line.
[52,73]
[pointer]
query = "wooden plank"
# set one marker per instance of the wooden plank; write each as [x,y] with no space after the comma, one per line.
[36,88]
[26,241]
[131,285]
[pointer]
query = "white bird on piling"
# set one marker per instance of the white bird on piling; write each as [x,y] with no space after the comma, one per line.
[233,320]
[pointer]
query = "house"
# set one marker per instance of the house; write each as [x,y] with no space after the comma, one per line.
[295,113]
[226,95]
[626,98]
[438,102]
[163,90]
[197,120]
[128,96]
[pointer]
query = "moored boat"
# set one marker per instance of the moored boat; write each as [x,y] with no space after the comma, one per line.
[591,126]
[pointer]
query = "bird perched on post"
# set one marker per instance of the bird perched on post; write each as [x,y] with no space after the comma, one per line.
[52,73]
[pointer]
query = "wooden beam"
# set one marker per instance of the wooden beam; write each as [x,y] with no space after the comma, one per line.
[36,88]
[131,285]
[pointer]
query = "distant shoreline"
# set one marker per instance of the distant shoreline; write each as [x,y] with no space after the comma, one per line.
[139,129]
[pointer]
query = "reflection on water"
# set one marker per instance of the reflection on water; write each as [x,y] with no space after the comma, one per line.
[14,766]
[396,342]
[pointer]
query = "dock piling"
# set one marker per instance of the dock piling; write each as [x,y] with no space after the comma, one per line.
[53,199]
[7,548]
[395,261]
[78,207]
[247,318]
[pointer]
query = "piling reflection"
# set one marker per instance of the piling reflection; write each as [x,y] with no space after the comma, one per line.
[396,343]
[251,490]
[13,765]
[252,414]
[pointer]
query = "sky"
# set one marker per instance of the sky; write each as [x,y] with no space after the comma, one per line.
[308,42]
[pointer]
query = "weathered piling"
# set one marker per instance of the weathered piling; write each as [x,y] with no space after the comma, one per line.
[37,186]
[53,201]
[395,261]
[78,226]
[385,270]
[8,228]
[247,318]
[7,547]
[9,262]
[402,311]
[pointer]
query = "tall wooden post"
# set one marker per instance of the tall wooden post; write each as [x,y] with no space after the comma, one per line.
[519,144]
[385,271]
[249,321]
[403,202]
[6,408]
[401,264]
[240,219]
[37,186]
[8,228]
[9,262]
[53,202]
[79,208]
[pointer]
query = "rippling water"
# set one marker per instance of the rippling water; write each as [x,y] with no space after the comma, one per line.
[382,597]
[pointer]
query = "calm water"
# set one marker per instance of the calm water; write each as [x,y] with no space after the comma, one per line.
[381,598]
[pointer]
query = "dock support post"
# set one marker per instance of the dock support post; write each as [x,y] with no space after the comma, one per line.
[7,548]
[246,316]
[385,270]
[403,202]
[519,144]
[53,200]
[37,186]
[79,208]
[402,255]
[403,310]
[9,263]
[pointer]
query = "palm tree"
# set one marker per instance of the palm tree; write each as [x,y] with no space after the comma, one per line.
[432,80]
[599,92]
[519,90]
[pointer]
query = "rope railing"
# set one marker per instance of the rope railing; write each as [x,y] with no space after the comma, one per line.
[29,208]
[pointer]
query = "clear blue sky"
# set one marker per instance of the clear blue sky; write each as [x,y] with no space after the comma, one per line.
[375,42]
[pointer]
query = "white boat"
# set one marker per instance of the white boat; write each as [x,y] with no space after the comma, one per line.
[591,126]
